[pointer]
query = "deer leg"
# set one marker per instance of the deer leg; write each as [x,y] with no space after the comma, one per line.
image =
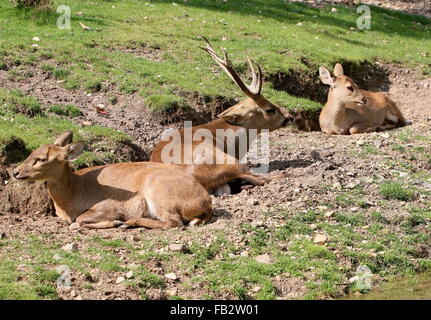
[363,128]
[153,224]
[387,127]
[96,220]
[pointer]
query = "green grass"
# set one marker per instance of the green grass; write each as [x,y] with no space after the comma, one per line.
[160,103]
[397,191]
[66,110]
[42,128]
[267,29]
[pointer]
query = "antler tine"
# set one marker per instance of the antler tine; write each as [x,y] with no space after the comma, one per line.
[256,84]
[253,91]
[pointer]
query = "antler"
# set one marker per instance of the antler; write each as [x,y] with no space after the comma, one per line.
[253,90]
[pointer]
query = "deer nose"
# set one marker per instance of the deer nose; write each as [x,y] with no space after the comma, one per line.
[15,174]
[364,100]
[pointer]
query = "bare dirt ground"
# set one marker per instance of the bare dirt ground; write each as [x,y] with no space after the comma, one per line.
[422,7]
[319,168]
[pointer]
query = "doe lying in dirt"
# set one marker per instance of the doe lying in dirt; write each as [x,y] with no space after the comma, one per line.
[350,110]
[144,194]
[255,112]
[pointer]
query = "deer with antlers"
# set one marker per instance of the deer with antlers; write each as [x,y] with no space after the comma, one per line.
[351,110]
[254,113]
[134,194]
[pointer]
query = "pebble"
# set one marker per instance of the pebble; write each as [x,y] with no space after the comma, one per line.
[264,258]
[35,39]
[177,247]
[70,247]
[320,239]
[129,275]
[171,276]
[120,280]
[329,214]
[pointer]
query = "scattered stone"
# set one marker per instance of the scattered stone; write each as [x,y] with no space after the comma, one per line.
[360,142]
[171,276]
[256,289]
[264,258]
[378,143]
[129,275]
[120,280]
[313,226]
[177,247]
[57,257]
[329,214]
[35,39]
[70,247]
[64,281]
[320,239]
[171,292]
[334,10]
[86,123]
[253,202]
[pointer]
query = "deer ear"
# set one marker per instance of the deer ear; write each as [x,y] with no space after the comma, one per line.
[338,70]
[73,151]
[325,76]
[65,139]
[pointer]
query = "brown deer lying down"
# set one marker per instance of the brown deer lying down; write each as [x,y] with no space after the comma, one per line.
[144,194]
[255,112]
[350,110]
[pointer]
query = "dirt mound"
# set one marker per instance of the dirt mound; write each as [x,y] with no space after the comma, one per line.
[23,197]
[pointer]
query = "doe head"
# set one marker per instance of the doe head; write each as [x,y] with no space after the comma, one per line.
[48,161]
[342,88]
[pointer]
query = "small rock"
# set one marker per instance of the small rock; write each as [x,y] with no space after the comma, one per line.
[172,292]
[78,297]
[57,257]
[360,142]
[73,294]
[253,202]
[329,214]
[177,247]
[353,279]
[256,289]
[171,276]
[264,258]
[378,143]
[120,280]
[320,239]
[35,45]
[334,10]
[313,226]
[300,24]
[244,254]
[70,247]
[86,123]
[129,275]
[35,39]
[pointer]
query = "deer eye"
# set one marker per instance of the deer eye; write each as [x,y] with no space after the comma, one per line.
[41,160]
[270,111]
[350,88]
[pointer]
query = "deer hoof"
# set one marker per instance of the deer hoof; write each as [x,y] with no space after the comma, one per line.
[74,226]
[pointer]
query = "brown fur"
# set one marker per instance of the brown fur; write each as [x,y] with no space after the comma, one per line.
[255,112]
[151,195]
[351,110]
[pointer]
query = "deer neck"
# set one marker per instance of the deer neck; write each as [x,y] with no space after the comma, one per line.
[62,191]
[335,108]
[228,144]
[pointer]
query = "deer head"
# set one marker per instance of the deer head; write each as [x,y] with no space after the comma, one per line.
[342,88]
[48,161]
[255,112]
